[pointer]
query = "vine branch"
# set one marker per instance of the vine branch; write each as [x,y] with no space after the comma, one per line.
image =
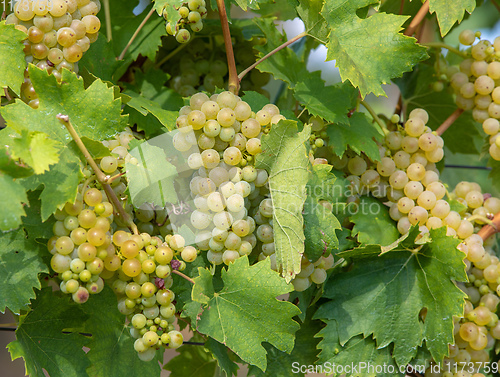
[495,4]
[172,53]
[107,16]
[422,12]
[136,33]
[488,230]
[449,121]
[183,276]
[233,82]
[101,177]
[279,48]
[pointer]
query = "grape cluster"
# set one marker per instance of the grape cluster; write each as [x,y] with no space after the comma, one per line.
[92,246]
[58,33]
[478,330]
[407,176]
[191,15]
[220,137]
[476,85]
[205,67]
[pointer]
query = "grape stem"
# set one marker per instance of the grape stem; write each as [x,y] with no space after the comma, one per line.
[136,33]
[101,177]
[115,177]
[279,48]
[7,95]
[488,230]
[233,82]
[375,117]
[422,12]
[495,4]
[107,16]
[446,46]
[183,276]
[449,121]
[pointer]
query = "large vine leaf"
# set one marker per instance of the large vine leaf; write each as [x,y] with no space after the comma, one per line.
[310,12]
[417,92]
[305,352]
[320,223]
[284,156]
[245,312]
[372,223]
[369,51]
[360,135]
[398,285]
[111,345]
[11,51]
[42,343]
[20,264]
[331,103]
[93,112]
[12,197]
[354,357]
[448,13]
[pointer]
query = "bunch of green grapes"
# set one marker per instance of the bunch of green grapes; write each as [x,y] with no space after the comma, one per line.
[406,177]
[478,330]
[58,33]
[205,67]
[220,136]
[191,15]
[142,278]
[91,246]
[476,85]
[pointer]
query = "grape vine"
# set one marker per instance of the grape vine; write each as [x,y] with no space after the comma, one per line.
[189,186]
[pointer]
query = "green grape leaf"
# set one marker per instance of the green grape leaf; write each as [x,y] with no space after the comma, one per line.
[256,100]
[11,202]
[111,346]
[283,65]
[305,352]
[12,167]
[398,285]
[372,223]
[352,42]
[447,14]
[284,156]
[93,112]
[320,223]
[355,356]
[417,92]
[456,206]
[143,105]
[42,343]
[36,149]
[494,174]
[331,103]
[37,229]
[404,243]
[100,61]
[13,63]
[361,135]
[252,4]
[151,180]
[60,183]
[248,299]
[191,360]
[310,12]
[220,353]
[20,264]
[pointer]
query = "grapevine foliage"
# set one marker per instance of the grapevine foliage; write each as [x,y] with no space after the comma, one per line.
[151,199]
